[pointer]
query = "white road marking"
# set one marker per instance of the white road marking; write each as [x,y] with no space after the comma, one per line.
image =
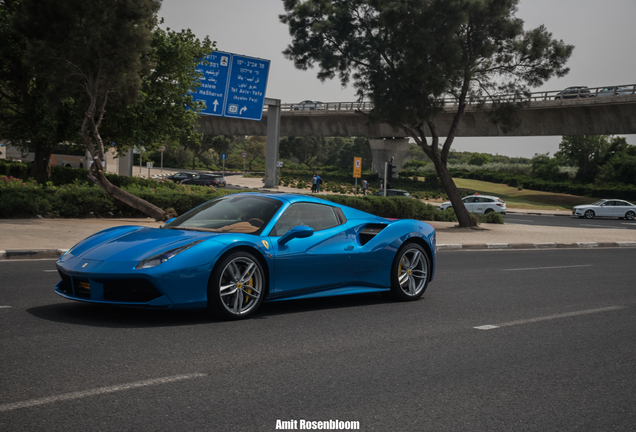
[628,223]
[548,268]
[49,271]
[5,307]
[523,220]
[549,317]
[97,391]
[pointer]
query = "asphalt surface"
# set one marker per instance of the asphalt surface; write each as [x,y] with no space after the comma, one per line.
[534,340]
[520,218]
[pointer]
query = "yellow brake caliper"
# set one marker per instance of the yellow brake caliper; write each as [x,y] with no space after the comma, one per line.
[247,290]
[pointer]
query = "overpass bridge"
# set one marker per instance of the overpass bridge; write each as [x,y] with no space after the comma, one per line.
[593,111]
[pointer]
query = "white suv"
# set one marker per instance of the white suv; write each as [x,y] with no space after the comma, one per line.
[480,204]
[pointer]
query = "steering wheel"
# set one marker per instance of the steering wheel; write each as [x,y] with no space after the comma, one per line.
[256,222]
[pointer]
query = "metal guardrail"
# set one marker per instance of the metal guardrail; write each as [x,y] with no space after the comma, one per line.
[578,92]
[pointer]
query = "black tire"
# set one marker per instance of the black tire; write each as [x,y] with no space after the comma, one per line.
[589,214]
[410,272]
[488,211]
[630,215]
[237,286]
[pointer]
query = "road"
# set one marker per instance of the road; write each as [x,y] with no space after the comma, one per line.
[568,221]
[501,341]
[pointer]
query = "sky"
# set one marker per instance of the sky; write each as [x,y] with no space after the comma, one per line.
[602,32]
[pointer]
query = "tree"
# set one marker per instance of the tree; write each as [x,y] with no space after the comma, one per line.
[97,52]
[620,162]
[479,159]
[547,168]
[586,152]
[32,115]
[255,149]
[408,55]
[164,112]
[305,150]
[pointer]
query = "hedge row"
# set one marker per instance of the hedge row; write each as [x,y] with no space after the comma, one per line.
[61,176]
[85,202]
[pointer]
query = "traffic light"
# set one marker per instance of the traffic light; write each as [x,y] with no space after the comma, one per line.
[392,170]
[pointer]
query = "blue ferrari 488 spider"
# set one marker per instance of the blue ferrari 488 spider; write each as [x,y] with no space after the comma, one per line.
[234,252]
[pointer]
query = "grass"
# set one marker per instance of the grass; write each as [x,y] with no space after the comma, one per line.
[523,199]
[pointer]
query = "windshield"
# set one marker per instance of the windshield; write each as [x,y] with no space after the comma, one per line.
[229,214]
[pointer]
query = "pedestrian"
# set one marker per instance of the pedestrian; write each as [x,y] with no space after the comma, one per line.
[314,182]
[388,185]
[381,185]
[318,183]
[364,186]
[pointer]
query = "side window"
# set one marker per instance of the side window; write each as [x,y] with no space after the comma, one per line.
[316,216]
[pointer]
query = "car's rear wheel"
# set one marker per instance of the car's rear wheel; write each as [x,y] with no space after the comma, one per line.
[410,272]
[589,214]
[237,286]
[630,215]
[488,211]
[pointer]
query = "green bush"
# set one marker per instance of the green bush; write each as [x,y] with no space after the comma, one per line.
[393,207]
[492,218]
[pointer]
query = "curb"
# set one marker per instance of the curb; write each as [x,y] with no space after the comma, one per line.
[57,253]
[501,246]
[31,254]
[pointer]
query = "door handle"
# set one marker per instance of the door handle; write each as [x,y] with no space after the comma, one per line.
[349,248]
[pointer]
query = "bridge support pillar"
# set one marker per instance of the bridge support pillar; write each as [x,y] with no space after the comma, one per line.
[271,147]
[383,149]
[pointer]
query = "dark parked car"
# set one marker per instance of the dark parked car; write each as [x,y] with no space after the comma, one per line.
[206,180]
[574,92]
[394,192]
[180,176]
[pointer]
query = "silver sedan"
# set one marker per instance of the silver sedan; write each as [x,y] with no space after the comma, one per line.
[606,208]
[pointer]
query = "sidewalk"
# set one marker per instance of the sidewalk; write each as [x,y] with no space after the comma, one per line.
[48,238]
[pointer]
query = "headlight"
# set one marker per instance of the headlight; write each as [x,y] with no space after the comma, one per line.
[161,258]
[67,251]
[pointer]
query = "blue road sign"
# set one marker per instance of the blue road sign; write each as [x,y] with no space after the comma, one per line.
[223,156]
[233,85]
[213,89]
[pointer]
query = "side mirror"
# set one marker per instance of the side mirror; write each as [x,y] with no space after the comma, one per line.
[296,232]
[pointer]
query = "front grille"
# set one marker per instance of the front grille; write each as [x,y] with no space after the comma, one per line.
[130,290]
[66,286]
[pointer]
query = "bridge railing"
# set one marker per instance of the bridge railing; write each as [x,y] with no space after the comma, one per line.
[578,92]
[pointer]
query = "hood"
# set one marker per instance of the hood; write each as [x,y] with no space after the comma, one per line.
[133,243]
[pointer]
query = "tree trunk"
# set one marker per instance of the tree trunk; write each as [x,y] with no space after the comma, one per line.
[96,170]
[41,168]
[97,176]
[463,217]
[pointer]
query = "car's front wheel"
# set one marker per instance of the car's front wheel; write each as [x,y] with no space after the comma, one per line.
[237,286]
[630,215]
[410,272]
[589,214]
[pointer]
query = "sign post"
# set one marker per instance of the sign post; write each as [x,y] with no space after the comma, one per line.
[357,171]
[162,149]
[223,157]
[244,156]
